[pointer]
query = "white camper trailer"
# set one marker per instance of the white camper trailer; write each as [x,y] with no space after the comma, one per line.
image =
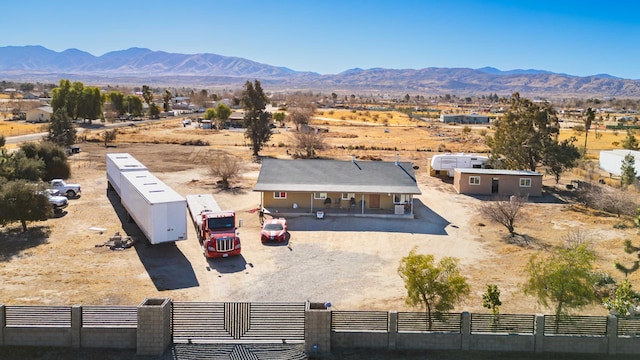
[447,162]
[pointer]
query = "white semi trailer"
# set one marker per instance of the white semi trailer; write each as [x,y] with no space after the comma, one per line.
[157,209]
[117,164]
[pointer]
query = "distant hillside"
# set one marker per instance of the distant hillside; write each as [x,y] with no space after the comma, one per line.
[158,68]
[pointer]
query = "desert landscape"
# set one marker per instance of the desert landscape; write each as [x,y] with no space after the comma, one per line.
[350,262]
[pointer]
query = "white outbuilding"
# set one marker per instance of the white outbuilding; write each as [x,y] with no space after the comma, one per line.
[40,114]
[611,160]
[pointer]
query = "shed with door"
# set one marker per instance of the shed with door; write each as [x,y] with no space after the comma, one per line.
[497,182]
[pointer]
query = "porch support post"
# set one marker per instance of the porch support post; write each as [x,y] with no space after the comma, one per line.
[311,202]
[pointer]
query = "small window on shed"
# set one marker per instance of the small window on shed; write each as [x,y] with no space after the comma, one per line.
[525,182]
[474,180]
[279,195]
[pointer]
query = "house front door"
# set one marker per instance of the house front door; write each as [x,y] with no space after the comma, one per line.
[374,201]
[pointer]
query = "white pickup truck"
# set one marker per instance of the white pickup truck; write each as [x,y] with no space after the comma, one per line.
[57,202]
[69,190]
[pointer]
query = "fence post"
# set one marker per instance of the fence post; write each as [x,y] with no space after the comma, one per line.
[538,332]
[465,329]
[317,328]
[76,326]
[612,334]
[153,335]
[392,330]
[3,324]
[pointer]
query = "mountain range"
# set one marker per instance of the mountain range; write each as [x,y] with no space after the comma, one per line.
[158,68]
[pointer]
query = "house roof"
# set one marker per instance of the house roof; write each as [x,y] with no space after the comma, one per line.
[497,172]
[337,176]
[45,109]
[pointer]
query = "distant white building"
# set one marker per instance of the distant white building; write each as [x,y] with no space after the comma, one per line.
[611,160]
[40,114]
[464,118]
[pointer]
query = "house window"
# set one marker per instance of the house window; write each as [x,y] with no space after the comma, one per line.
[474,180]
[319,196]
[400,198]
[280,195]
[525,182]
[348,196]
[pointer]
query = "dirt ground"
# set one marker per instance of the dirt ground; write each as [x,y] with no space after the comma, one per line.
[350,262]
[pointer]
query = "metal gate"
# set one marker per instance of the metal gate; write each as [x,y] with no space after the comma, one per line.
[236,322]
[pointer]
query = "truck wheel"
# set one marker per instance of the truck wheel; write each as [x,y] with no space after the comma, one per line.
[70,194]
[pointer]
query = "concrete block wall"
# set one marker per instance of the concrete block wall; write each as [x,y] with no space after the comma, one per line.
[317,329]
[37,336]
[153,335]
[431,341]
[109,338]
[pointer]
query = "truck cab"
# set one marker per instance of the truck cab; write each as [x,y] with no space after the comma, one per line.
[218,234]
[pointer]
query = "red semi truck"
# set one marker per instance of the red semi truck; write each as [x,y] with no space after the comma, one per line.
[216,229]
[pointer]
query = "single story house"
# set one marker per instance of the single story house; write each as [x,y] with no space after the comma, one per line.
[40,114]
[611,160]
[464,118]
[497,182]
[343,188]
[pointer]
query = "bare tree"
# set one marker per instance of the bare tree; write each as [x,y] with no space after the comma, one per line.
[309,142]
[109,136]
[301,108]
[299,116]
[606,198]
[226,167]
[504,212]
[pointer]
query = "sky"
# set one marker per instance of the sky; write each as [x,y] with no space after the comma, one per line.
[328,37]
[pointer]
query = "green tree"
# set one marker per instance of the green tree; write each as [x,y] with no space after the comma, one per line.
[279,117]
[436,286]
[491,299]
[561,157]
[77,100]
[630,142]
[256,120]
[53,156]
[223,111]
[628,170]
[154,111]
[525,136]
[117,101]
[61,130]
[209,114]
[629,249]
[166,100]
[18,166]
[589,117]
[563,281]
[133,105]
[147,94]
[21,201]
[623,301]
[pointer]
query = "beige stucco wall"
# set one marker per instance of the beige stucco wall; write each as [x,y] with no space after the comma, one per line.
[507,184]
[305,200]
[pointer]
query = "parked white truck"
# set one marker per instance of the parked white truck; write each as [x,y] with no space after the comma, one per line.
[445,163]
[69,190]
[157,209]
